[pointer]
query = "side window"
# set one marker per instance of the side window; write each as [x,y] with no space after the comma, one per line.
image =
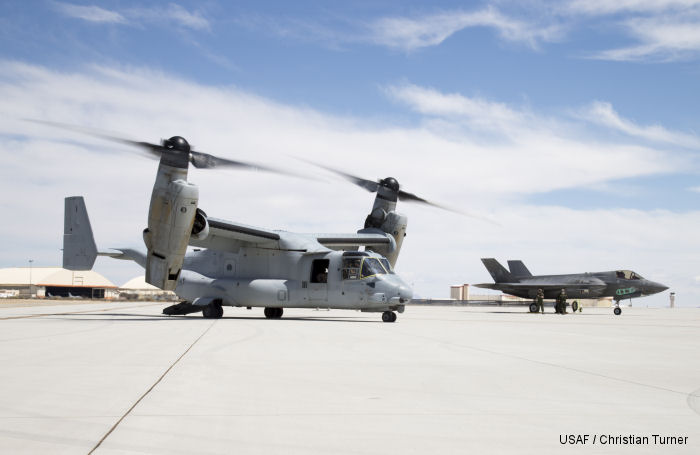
[351,268]
[319,271]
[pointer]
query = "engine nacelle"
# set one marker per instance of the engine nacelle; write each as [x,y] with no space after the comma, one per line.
[170,224]
[200,228]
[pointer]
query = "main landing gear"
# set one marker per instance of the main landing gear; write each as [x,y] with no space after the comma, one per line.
[617,310]
[389,316]
[273,313]
[533,308]
[213,311]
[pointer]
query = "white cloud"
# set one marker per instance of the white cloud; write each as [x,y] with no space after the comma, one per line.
[606,7]
[604,114]
[482,168]
[173,13]
[90,13]
[414,33]
[662,38]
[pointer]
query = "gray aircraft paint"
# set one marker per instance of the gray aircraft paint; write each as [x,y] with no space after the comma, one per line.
[618,284]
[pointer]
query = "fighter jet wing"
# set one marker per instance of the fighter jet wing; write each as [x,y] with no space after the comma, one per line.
[536,285]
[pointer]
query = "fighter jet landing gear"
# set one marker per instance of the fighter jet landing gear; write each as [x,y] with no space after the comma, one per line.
[574,306]
[617,310]
[213,311]
[273,313]
[389,316]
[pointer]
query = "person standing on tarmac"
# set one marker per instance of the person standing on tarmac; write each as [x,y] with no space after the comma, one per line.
[539,300]
[561,300]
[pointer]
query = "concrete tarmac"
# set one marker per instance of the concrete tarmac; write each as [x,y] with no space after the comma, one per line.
[121,378]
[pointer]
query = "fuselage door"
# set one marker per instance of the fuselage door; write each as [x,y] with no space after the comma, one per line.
[318,280]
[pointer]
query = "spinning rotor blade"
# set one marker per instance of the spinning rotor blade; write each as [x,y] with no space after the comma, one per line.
[200,160]
[368,185]
[392,184]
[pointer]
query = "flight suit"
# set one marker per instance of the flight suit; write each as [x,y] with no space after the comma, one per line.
[539,301]
[562,302]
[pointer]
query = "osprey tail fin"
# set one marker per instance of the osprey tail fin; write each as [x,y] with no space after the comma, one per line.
[79,248]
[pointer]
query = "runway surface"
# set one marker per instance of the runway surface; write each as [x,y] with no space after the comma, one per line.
[122,378]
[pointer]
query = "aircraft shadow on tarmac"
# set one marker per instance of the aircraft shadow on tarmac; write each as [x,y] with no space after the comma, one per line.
[127,317]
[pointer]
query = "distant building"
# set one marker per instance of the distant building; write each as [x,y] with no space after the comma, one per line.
[55,282]
[138,289]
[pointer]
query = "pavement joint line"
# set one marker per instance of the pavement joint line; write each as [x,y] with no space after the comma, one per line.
[75,312]
[114,427]
[550,364]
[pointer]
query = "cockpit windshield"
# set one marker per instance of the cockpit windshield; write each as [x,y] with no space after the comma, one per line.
[387,266]
[628,275]
[356,268]
[372,266]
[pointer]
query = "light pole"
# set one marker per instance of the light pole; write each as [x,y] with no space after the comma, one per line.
[31,294]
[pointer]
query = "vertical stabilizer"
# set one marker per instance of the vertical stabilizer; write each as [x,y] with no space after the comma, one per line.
[79,249]
[518,269]
[498,272]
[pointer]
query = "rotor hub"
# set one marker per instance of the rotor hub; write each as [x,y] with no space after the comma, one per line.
[391,183]
[177,143]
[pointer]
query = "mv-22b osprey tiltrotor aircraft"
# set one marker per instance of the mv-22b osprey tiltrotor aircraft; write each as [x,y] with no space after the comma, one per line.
[244,266]
[618,284]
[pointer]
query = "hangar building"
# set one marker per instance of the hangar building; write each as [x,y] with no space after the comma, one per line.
[138,289]
[55,282]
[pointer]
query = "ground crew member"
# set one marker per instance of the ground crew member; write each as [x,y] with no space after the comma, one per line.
[539,300]
[562,301]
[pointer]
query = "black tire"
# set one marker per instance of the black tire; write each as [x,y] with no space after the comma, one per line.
[574,306]
[278,313]
[533,308]
[219,311]
[269,313]
[388,316]
[617,311]
[207,312]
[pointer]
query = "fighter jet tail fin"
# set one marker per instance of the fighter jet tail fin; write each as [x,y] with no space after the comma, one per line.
[79,248]
[518,269]
[498,272]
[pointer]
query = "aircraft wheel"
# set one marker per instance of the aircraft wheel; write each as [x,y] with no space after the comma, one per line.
[533,308]
[574,306]
[208,312]
[219,311]
[389,316]
[273,313]
[617,311]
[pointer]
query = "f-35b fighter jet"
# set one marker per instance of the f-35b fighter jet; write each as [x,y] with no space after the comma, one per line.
[618,284]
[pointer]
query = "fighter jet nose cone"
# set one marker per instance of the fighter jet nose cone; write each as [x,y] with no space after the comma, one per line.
[655,288]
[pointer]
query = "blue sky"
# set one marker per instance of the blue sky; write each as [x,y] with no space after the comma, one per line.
[581,112]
